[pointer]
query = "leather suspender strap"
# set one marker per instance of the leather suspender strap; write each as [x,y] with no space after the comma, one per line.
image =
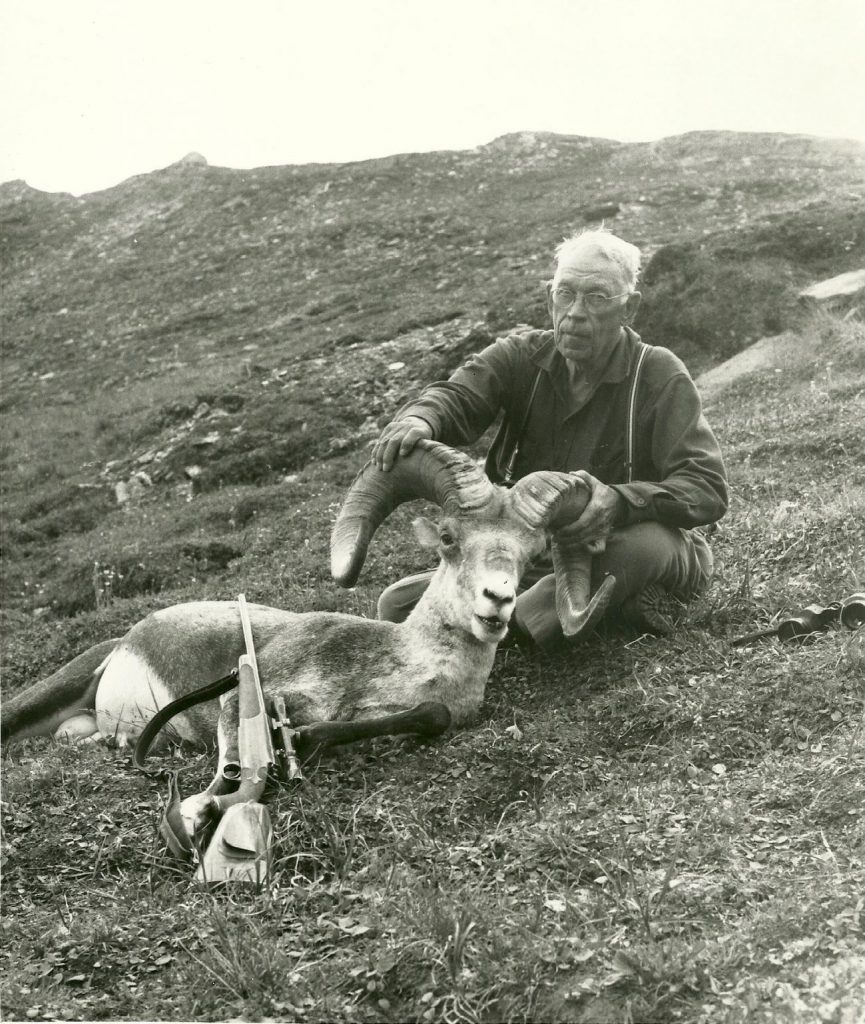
[632,411]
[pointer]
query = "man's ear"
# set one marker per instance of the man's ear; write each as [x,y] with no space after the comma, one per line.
[631,306]
[426,532]
[548,287]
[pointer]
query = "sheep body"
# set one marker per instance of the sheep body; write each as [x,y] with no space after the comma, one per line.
[326,665]
[330,667]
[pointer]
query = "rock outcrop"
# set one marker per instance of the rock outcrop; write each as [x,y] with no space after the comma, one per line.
[843,288]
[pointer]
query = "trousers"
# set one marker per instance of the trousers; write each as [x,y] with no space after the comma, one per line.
[638,556]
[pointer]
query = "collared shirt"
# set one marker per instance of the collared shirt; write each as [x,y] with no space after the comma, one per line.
[678,478]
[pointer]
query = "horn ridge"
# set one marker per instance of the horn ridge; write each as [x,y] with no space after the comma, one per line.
[547,499]
[553,500]
[432,471]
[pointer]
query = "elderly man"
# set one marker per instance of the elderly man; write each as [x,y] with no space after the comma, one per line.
[587,396]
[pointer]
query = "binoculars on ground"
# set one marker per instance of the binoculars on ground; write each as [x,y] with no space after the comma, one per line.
[813,619]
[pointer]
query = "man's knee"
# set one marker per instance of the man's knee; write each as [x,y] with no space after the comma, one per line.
[397,601]
[651,553]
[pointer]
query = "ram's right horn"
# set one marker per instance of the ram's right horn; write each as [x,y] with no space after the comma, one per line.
[432,471]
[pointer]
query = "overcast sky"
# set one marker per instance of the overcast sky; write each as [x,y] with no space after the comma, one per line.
[93,91]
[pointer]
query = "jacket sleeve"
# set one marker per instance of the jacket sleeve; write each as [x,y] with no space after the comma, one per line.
[691,485]
[460,409]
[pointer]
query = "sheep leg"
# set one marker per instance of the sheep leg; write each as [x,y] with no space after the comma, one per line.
[428,719]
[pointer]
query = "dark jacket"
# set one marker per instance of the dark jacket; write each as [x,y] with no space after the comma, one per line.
[679,476]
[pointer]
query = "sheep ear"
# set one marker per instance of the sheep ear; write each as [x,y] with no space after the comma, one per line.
[426,532]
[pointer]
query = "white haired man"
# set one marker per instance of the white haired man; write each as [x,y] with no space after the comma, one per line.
[566,396]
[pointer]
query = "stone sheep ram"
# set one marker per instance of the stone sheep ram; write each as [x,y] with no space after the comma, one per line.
[332,667]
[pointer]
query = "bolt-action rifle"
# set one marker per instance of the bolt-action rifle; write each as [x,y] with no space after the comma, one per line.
[240,848]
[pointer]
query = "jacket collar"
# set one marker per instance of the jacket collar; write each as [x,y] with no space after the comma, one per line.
[618,367]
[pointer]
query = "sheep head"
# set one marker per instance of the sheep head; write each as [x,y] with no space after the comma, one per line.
[486,538]
[482,560]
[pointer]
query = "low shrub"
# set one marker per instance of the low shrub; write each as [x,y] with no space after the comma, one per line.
[709,299]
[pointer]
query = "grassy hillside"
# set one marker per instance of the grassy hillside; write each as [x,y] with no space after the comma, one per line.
[637,829]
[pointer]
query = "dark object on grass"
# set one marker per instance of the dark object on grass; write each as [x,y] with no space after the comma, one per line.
[853,610]
[813,619]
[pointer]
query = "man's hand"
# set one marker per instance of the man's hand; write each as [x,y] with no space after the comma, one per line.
[599,517]
[397,439]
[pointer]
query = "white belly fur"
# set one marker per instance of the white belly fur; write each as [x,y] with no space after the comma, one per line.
[129,695]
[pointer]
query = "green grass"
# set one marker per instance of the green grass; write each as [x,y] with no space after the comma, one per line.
[636,830]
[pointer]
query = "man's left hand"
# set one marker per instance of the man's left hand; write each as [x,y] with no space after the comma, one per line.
[599,517]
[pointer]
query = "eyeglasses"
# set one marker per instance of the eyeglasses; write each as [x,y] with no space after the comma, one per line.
[595,302]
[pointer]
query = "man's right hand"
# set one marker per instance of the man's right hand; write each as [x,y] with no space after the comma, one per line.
[397,439]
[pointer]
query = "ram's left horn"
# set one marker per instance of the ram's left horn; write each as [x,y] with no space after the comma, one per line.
[555,500]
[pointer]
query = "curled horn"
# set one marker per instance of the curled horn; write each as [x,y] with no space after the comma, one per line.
[431,471]
[552,501]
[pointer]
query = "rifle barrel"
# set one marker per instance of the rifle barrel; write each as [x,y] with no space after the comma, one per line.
[247,631]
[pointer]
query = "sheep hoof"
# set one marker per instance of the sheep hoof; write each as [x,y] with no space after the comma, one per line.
[197,812]
[78,729]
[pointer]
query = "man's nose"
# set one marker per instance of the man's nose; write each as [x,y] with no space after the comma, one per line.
[577,307]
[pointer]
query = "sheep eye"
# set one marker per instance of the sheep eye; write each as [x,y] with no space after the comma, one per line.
[447,539]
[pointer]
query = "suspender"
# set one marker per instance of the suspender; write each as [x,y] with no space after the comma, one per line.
[642,352]
[508,478]
[632,413]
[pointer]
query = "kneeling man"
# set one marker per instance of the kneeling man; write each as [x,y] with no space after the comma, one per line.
[586,396]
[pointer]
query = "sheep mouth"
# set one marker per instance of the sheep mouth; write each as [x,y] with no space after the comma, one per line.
[492,623]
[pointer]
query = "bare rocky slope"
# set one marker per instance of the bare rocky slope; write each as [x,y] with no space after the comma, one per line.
[204,260]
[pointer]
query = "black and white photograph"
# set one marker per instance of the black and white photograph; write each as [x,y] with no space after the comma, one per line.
[432,511]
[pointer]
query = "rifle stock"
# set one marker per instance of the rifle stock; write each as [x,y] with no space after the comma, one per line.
[253,729]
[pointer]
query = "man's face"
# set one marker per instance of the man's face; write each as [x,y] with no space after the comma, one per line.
[586,328]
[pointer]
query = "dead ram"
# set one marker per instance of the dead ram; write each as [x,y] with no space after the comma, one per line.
[333,667]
